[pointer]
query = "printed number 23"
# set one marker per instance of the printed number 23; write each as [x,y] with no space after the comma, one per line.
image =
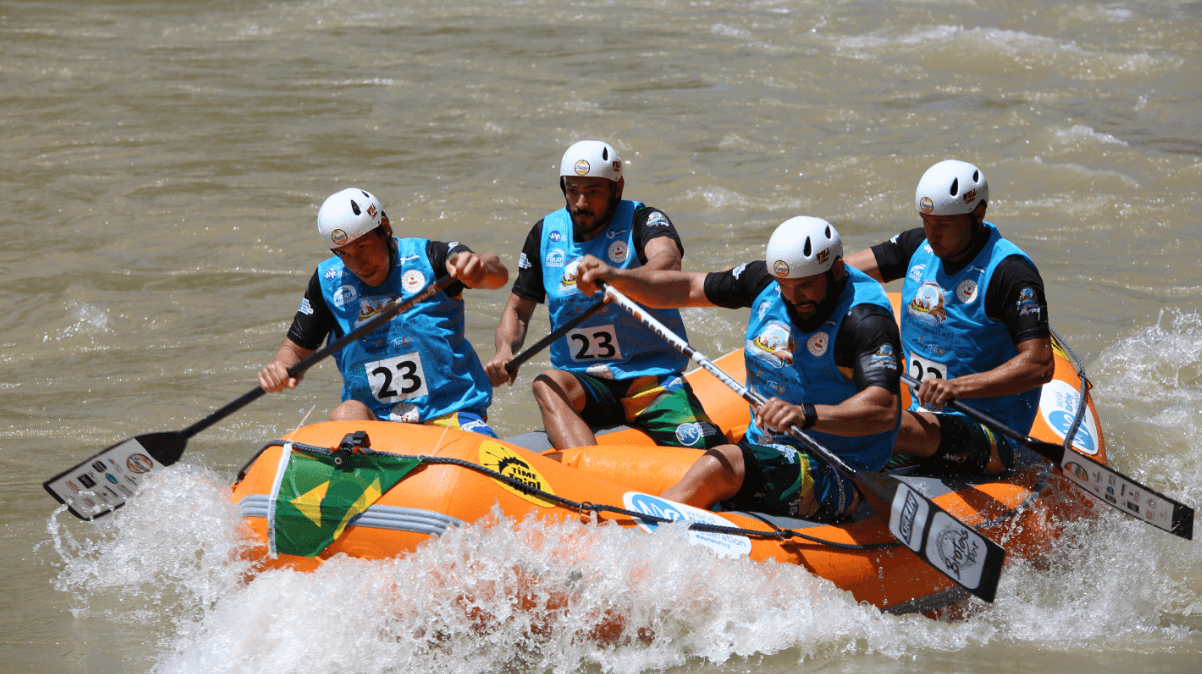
[395,379]
[593,343]
[921,368]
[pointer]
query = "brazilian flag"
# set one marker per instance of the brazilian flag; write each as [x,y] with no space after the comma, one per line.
[320,494]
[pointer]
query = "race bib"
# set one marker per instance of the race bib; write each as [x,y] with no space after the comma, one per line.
[921,368]
[595,343]
[395,379]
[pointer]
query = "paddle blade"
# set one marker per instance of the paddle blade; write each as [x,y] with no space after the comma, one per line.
[952,547]
[1129,496]
[102,484]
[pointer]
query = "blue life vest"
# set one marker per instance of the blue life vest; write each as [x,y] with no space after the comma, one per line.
[945,332]
[610,344]
[812,376]
[417,366]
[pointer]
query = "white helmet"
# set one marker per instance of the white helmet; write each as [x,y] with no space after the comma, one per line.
[803,246]
[348,215]
[951,187]
[591,159]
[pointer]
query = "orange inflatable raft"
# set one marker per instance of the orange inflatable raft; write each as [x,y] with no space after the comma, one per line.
[462,476]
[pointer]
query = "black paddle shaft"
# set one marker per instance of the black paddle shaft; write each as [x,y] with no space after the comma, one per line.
[562,330]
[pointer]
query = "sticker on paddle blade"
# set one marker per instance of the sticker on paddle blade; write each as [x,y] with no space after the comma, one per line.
[106,481]
[726,545]
[1129,496]
[908,517]
[959,552]
[505,461]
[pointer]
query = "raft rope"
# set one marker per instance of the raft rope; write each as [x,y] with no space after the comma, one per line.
[582,507]
[1085,386]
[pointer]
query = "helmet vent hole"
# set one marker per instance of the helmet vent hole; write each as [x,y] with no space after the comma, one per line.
[355,207]
[828,232]
[976,176]
[808,248]
[605,154]
[955,187]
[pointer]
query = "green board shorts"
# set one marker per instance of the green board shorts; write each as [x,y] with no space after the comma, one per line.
[663,406]
[783,480]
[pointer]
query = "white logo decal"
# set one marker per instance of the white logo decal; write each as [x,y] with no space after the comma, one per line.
[305,307]
[1058,403]
[618,251]
[413,281]
[523,261]
[554,259]
[966,292]
[817,344]
[726,545]
[345,295]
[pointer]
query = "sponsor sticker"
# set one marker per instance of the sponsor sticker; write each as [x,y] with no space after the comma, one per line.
[780,268]
[555,236]
[1058,402]
[499,458]
[926,205]
[581,167]
[554,259]
[959,551]
[927,305]
[969,196]
[305,307]
[657,219]
[405,413]
[338,236]
[725,545]
[523,261]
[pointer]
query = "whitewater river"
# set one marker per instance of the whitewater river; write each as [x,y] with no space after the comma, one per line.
[161,165]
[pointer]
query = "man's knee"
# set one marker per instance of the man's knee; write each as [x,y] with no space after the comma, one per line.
[352,410]
[556,388]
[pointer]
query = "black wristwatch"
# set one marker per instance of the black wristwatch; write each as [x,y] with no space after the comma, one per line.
[811,416]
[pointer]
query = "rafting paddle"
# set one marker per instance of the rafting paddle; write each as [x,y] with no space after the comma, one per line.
[1095,477]
[516,362]
[953,548]
[102,483]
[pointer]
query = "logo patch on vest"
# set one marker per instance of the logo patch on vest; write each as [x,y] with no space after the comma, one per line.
[567,284]
[413,281]
[555,236]
[774,345]
[817,344]
[966,292]
[927,305]
[618,251]
[554,259]
[344,296]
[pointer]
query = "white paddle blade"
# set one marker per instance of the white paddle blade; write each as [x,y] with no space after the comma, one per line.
[102,484]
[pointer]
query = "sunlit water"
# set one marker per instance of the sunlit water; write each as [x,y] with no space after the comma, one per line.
[162,163]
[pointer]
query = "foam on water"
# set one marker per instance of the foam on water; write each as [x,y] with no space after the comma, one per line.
[502,595]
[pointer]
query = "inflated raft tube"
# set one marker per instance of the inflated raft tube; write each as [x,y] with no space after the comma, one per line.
[451,477]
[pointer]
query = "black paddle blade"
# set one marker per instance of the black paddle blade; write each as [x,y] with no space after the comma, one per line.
[955,549]
[102,484]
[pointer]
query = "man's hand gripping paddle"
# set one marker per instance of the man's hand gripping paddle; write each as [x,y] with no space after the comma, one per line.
[953,548]
[1104,482]
[102,483]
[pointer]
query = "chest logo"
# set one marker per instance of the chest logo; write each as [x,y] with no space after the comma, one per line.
[555,236]
[774,345]
[966,292]
[618,252]
[345,295]
[413,281]
[567,284]
[927,305]
[554,259]
[818,343]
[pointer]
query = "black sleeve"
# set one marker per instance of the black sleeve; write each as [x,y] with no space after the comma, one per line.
[438,252]
[529,283]
[869,344]
[893,256]
[313,320]
[652,223]
[737,288]
[1016,298]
